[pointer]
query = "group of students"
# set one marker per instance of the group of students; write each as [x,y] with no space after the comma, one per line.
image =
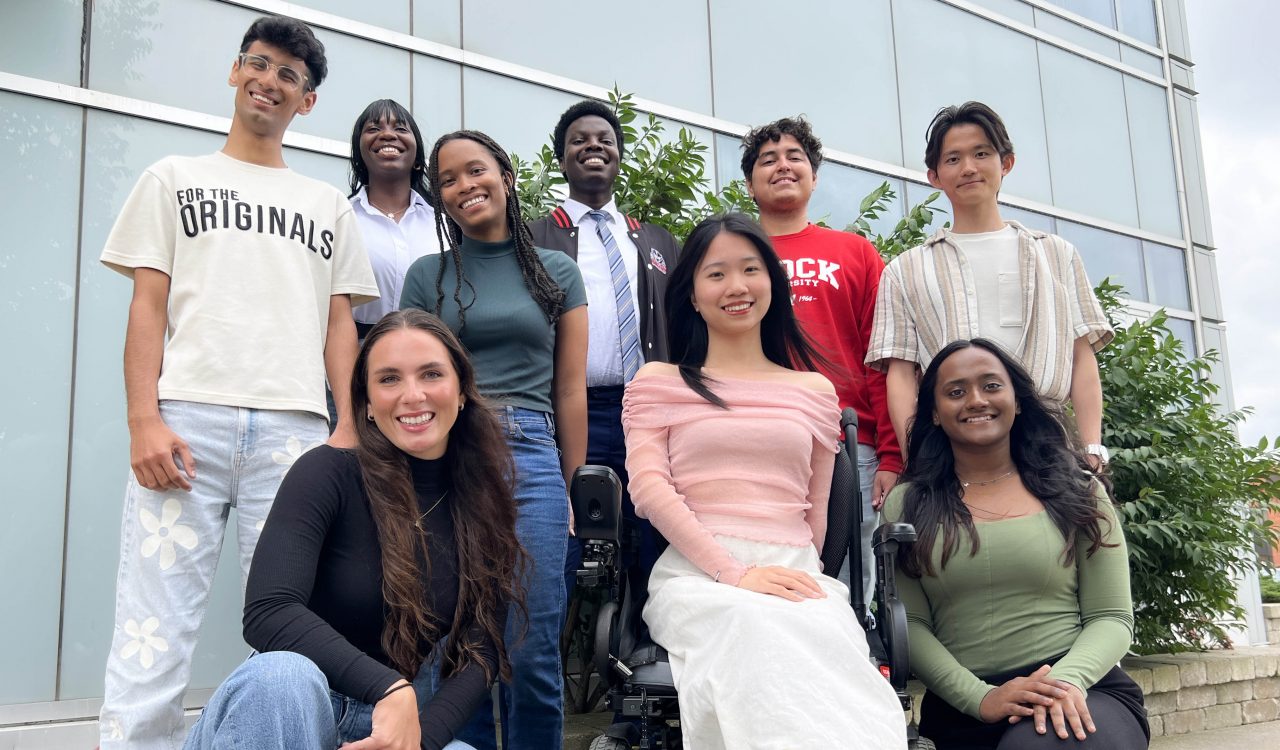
[475,362]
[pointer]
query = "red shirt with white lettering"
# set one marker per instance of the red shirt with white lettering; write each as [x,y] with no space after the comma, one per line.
[834,280]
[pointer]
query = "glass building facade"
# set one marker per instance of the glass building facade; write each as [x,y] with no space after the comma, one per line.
[1097,94]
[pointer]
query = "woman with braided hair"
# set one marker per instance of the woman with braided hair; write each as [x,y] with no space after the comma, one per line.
[521,312]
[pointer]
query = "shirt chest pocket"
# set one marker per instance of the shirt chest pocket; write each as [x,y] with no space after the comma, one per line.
[1009,295]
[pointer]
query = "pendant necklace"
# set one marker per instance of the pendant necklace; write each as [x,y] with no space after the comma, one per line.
[434,505]
[390,214]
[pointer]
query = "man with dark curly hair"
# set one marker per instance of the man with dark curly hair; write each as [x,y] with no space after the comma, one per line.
[244,273]
[834,279]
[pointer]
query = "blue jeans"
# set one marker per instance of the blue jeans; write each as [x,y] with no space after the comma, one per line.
[170,542]
[868,464]
[533,702]
[282,699]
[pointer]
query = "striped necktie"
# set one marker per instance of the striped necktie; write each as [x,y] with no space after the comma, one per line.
[628,332]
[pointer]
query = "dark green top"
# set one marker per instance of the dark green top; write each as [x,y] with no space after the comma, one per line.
[1014,603]
[512,345]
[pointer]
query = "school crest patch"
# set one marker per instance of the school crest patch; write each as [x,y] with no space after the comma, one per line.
[657,260]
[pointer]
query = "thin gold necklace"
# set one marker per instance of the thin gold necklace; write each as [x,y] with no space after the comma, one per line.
[986,482]
[391,214]
[423,517]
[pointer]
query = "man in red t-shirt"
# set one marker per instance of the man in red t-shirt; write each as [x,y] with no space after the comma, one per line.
[834,278]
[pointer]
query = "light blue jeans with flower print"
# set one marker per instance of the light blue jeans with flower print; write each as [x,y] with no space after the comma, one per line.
[169,547]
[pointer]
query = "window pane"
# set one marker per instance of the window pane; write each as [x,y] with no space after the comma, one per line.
[1152,139]
[41,39]
[1084,109]
[1141,60]
[1138,19]
[1015,9]
[1184,331]
[657,50]
[388,14]
[118,149]
[1077,34]
[840,192]
[438,20]
[491,99]
[847,92]
[1169,284]
[1106,254]
[931,76]
[40,148]
[1201,229]
[1028,219]
[1101,11]
[437,98]
[156,57]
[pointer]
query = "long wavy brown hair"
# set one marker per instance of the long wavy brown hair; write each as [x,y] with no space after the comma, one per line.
[482,478]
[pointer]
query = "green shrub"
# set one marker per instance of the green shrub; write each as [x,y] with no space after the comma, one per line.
[1270,590]
[1193,498]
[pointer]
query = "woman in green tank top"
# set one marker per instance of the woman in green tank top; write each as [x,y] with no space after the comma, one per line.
[1017,591]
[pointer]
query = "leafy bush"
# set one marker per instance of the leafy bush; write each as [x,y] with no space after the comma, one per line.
[1193,499]
[1270,590]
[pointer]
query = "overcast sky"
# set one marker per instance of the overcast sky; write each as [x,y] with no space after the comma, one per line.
[1237,73]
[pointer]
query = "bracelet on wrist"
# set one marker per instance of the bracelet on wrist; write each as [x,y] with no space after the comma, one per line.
[394,688]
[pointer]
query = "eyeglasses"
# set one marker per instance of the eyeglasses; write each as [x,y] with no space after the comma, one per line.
[257,67]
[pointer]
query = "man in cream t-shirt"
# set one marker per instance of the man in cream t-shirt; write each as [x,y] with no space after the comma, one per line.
[249,270]
[991,278]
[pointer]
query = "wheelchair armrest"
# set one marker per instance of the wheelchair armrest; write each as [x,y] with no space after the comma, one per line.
[890,537]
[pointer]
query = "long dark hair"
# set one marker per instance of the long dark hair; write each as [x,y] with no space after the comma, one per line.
[784,342]
[544,289]
[482,478]
[377,111]
[1047,459]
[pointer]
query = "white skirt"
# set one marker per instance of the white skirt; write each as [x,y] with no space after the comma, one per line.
[759,672]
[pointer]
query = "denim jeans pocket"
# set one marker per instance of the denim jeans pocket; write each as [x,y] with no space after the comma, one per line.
[354,721]
[540,429]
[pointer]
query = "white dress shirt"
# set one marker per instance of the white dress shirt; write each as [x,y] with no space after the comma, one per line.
[392,248]
[604,349]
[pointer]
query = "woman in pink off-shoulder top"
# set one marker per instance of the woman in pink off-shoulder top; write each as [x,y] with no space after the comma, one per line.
[730,452]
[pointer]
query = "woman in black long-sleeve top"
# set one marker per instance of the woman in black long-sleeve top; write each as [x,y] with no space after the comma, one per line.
[372,556]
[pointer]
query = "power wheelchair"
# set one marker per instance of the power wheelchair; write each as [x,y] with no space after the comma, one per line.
[635,673]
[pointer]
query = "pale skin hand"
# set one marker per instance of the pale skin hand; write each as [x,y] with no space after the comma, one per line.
[151,443]
[1070,715]
[775,580]
[395,723]
[880,487]
[1016,698]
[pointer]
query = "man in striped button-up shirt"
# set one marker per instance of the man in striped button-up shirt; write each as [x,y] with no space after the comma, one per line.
[1024,289]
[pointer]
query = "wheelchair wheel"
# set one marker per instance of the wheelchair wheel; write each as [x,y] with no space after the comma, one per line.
[605,742]
[922,744]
